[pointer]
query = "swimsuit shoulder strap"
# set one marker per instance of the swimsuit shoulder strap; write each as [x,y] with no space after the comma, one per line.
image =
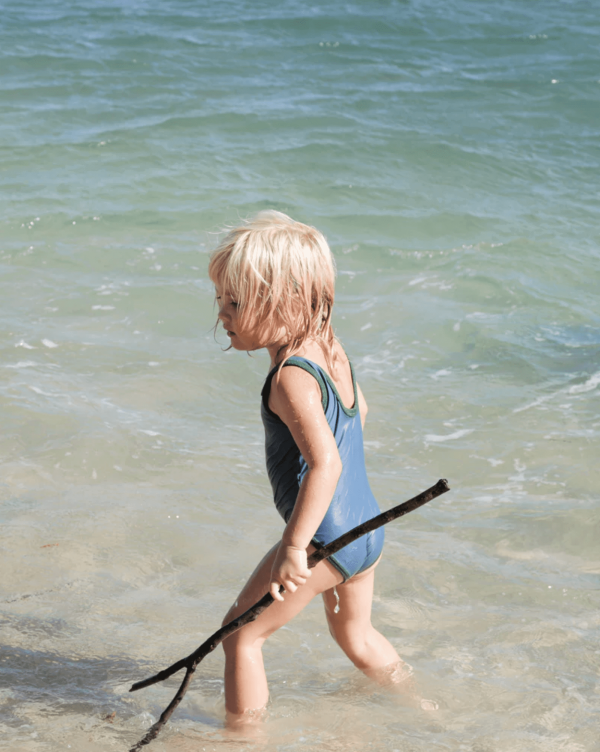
[351,412]
[308,366]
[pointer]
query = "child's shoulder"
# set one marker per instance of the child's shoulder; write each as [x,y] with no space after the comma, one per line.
[298,383]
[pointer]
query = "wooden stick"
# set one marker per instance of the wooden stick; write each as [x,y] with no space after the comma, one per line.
[191,662]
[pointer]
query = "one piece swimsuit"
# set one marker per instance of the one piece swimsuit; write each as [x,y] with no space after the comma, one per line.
[353,502]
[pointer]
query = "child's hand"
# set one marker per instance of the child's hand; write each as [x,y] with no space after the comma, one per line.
[289,570]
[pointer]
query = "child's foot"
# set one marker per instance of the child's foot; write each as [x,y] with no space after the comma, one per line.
[399,677]
[248,723]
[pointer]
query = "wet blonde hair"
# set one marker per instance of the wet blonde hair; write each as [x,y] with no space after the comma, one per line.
[280,273]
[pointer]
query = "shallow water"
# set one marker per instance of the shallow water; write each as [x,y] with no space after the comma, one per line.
[450,154]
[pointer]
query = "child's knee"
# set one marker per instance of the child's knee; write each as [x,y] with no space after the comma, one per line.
[355,644]
[232,645]
[356,649]
[242,641]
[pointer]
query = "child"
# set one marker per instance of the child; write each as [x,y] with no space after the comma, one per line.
[274,281]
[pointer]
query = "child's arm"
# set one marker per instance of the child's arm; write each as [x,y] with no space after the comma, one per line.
[296,398]
[362,405]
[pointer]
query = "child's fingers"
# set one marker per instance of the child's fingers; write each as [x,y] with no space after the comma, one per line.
[291,585]
[300,577]
[295,581]
[274,590]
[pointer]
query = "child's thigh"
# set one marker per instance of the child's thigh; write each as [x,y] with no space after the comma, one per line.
[324,577]
[355,601]
[256,586]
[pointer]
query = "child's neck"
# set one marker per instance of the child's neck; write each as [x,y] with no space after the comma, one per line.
[310,349]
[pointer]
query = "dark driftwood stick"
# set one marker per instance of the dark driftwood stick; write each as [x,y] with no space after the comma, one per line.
[191,662]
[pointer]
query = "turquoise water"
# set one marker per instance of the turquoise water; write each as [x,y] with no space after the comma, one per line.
[451,154]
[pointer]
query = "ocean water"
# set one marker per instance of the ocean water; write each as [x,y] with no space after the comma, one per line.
[450,152]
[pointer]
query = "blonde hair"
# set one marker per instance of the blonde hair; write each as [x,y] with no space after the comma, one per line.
[281,273]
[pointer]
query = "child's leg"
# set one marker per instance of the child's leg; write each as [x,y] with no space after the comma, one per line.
[368,649]
[245,680]
[351,627]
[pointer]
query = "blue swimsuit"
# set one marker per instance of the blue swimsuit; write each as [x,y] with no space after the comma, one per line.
[353,502]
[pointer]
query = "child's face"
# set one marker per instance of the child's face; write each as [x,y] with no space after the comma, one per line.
[242,338]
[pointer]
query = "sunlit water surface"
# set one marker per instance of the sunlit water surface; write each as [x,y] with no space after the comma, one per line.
[450,153]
